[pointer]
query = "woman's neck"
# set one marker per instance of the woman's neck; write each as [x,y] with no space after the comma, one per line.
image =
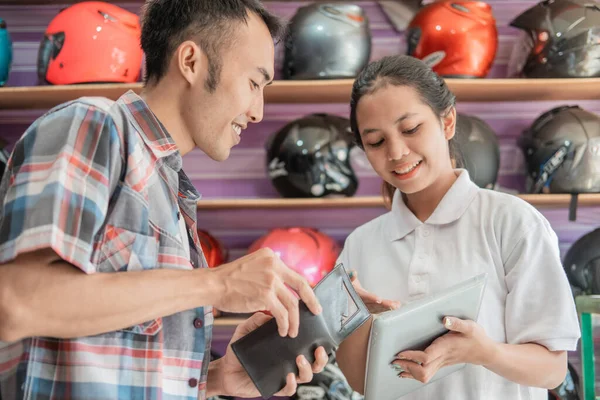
[424,203]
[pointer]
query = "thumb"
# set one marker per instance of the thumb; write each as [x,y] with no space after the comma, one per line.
[251,324]
[458,325]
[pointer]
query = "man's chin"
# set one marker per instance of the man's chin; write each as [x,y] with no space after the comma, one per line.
[221,156]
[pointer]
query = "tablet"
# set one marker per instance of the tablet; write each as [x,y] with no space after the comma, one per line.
[414,326]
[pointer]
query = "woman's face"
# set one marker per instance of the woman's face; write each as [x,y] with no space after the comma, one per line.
[405,142]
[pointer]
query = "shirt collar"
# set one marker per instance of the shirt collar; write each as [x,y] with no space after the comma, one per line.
[455,202]
[153,132]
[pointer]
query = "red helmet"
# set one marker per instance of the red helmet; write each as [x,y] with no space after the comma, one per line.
[214,251]
[307,251]
[91,42]
[457,39]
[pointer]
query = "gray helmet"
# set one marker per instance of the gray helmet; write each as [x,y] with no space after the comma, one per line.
[559,39]
[479,150]
[327,41]
[562,151]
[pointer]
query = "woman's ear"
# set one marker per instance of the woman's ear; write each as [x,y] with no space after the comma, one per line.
[449,123]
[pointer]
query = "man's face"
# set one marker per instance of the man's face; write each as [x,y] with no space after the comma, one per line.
[216,120]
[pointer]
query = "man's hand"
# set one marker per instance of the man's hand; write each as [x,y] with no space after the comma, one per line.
[232,379]
[466,342]
[374,303]
[258,282]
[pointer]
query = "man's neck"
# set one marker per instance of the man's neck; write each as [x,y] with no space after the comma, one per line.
[164,101]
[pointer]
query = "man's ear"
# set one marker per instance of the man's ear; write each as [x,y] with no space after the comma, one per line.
[191,62]
[449,123]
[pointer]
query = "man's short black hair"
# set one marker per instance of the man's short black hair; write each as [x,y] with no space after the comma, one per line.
[210,23]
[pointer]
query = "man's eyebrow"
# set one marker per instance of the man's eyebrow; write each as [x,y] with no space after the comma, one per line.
[266,76]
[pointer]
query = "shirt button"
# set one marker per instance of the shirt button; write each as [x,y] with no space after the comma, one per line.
[425,233]
[422,256]
[417,279]
[193,382]
[198,323]
[178,215]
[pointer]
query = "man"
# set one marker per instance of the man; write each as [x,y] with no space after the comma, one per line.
[103,293]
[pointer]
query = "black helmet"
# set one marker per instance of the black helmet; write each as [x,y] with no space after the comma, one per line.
[327,41]
[559,39]
[479,150]
[569,388]
[3,157]
[310,157]
[562,151]
[582,264]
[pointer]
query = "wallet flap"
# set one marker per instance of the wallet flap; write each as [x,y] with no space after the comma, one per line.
[343,308]
[268,357]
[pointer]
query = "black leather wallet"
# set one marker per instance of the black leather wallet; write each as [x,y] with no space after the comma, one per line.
[268,357]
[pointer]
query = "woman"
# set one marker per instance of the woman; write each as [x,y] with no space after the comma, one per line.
[442,229]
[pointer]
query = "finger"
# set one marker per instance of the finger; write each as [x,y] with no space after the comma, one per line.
[406,375]
[254,322]
[459,325]
[290,302]
[249,325]
[281,315]
[301,286]
[305,373]
[321,360]
[290,386]
[407,367]
[418,357]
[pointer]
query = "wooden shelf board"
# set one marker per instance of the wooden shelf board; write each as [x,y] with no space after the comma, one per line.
[227,322]
[57,2]
[540,200]
[324,91]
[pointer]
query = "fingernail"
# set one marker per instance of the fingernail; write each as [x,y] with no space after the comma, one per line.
[319,309]
[351,274]
[397,368]
[447,322]
[304,362]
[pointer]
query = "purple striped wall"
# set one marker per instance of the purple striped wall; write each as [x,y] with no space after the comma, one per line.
[243,175]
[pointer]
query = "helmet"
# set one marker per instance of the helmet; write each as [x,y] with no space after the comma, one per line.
[307,251]
[558,39]
[329,384]
[4,156]
[582,264]
[214,251]
[479,149]
[327,41]
[91,42]
[456,39]
[562,151]
[569,388]
[310,157]
[6,52]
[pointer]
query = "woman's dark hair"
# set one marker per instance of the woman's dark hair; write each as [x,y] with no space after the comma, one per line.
[403,70]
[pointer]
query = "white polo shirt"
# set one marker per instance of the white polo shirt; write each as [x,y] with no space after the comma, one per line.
[527,296]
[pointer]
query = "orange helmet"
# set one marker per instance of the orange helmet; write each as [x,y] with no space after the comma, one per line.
[91,42]
[308,251]
[457,39]
[214,251]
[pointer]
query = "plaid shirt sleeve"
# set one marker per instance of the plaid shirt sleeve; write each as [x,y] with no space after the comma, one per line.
[58,184]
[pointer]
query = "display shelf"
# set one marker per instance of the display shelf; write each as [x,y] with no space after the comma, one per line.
[538,200]
[227,322]
[57,2]
[324,91]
